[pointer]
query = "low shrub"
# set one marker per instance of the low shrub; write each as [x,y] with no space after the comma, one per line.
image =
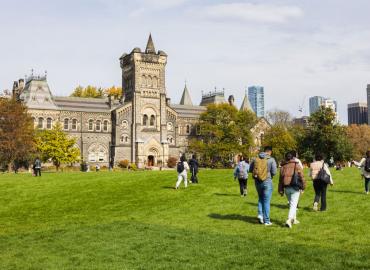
[132,167]
[123,163]
[171,162]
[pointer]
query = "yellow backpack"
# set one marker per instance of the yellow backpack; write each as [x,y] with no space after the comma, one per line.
[260,169]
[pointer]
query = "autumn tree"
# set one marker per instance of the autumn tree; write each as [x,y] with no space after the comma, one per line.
[279,117]
[88,92]
[224,131]
[16,132]
[54,144]
[359,136]
[114,91]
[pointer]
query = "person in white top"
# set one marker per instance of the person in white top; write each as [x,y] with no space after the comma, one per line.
[364,164]
[182,172]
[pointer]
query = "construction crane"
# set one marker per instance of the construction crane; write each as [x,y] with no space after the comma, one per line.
[301,108]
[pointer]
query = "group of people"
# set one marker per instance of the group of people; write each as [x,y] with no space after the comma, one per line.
[36,167]
[182,171]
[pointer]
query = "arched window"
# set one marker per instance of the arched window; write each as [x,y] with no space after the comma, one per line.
[149,81]
[187,129]
[155,82]
[74,124]
[145,120]
[40,123]
[122,138]
[126,139]
[105,125]
[98,125]
[91,125]
[66,124]
[49,123]
[143,80]
[152,120]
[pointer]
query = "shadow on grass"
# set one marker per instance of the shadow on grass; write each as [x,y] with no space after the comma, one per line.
[168,187]
[248,219]
[281,206]
[347,191]
[226,194]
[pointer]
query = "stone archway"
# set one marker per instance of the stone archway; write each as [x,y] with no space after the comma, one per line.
[152,157]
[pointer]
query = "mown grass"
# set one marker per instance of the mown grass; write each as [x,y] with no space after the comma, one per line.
[136,220]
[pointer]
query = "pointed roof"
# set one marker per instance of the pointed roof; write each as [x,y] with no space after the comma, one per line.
[246,105]
[185,99]
[150,46]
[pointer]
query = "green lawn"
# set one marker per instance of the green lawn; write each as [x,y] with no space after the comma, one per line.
[136,220]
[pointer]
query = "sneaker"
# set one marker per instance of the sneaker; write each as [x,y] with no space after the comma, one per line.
[296,221]
[367,192]
[260,219]
[315,206]
[288,223]
[268,224]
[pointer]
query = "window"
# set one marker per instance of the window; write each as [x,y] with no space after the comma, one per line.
[145,120]
[49,123]
[143,80]
[126,139]
[149,81]
[66,124]
[91,125]
[187,129]
[198,129]
[105,125]
[74,124]
[152,120]
[98,126]
[155,82]
[40,123]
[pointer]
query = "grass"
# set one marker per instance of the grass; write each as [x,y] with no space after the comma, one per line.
[136,220]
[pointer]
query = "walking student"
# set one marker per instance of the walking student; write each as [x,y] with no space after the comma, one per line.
[365,166]
[317,168]
[182,172]
[292,183]
[241,173]
[264,169]
[37,167]
[194,166]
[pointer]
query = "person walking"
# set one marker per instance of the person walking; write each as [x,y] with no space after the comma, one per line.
[264,168]
[292,183]
[37,167]
[364,164]
[319,185]
[182,172]
[241,173]
[194,166]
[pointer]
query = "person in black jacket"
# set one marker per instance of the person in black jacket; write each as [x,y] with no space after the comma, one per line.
[194,165]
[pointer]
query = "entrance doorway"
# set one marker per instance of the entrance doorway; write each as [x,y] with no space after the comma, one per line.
[150,161]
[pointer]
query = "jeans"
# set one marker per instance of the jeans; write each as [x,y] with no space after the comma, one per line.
[320,191]
[243,185]
[293,198]
[264,191]
[180,177]
[367,181]
[37,171]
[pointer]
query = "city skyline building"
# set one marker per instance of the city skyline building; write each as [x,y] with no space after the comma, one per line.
[317,101]
[357,113]
[256,96]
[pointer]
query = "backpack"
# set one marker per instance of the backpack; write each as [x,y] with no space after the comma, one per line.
[242,169]
[260,169]
[180,167]
[367,165]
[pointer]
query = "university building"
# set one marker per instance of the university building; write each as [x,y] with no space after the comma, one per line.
[143,126]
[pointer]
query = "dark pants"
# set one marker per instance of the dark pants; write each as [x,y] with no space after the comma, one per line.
[367,181]
[194,178]
[37,171]
[320,191]
[243,186]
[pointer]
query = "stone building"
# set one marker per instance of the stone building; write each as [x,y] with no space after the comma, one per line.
[142,127]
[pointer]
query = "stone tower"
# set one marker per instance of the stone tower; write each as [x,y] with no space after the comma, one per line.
[143,81]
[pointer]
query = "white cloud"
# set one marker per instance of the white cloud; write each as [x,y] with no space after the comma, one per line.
[262,13]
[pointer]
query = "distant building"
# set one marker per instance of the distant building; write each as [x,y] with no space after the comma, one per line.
[301,121]
[368,103]
[316,102]
[357,113]
[256,95]
[6,94]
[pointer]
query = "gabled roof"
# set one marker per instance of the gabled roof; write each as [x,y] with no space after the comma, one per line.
[186,99]
[246,105]
[150,46]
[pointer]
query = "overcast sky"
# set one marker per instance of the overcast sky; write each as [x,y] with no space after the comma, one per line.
[295,49]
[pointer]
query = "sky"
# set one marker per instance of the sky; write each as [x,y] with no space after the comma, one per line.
[295,49]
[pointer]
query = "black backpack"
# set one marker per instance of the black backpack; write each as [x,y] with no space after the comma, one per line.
[180,167]
[367,165]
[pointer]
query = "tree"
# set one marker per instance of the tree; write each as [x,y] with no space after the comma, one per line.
[279,117]
[114,92]
[16,132]
[88,92]
[359,136]
[224,132]
[54,144]
[325,135]
[281,140]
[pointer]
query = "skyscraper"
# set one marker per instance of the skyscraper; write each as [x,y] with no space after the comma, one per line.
[316,102]
[256,96]
[357,113]
[368,103]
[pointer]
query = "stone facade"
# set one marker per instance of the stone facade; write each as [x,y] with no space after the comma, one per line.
[142,127]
